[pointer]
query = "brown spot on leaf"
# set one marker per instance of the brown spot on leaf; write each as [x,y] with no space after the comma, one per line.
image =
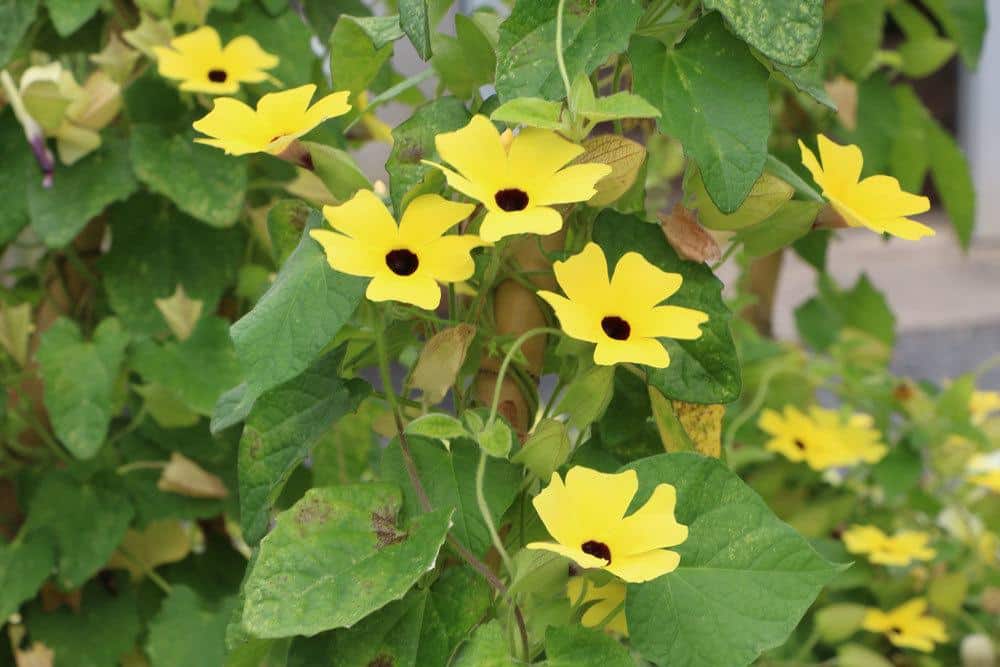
[384,525]
[256,442]
[382,660]
[411,153]
[312,510]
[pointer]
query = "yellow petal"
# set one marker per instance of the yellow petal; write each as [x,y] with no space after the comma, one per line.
[428,217]
[841,165]
[904,228]
[582,559]
[349,255]
[173,65]
[201,44]
[670,322]
[646,351]
[555,508]
[537,154]
[572,184]
[245,60]
[538,220]
[810,163]
[641,283]
[644,567]
[448,258]
[365,218]
[418,289]
[287,108]
[584,276]
[575,319]
[464,185]
[880,197]
[475,151]
[232,125]
[650,527]
[330,106]
[863,539]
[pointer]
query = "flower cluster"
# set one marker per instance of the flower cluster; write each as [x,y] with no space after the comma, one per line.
[822,438]
[907,626]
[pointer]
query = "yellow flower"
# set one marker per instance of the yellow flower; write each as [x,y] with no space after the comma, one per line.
[405,262]
[203,65]
[876,202]
[606,599]
[586,516]
[982,404]
[280,119]
[821,439]
[906,626]
[984,470]
[901,549]
[517,182]
[621,315]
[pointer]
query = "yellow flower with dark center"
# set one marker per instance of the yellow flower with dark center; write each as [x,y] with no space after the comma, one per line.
[517,181]
[821,439]
[605,600]
[984,471]
[982,404]
[900,549]
[876,202]
[586,516]
[621,314]
[280,119]
[907,626]
[203,65]
[407,261]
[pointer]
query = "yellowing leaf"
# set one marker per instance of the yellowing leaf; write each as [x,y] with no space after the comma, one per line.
[440,361]
[166,407]
[687,237]
[165,541]
[15,329]
[703,424]
[185,477]
[116,58]
[181,312]
[624,156]
[149,33]
[766,197]
[37,655]
[307,185]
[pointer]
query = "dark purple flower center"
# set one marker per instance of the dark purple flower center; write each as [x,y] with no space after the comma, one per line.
[615,327]
[217,75]
[511,199]
[596,549]
[402,262]
[801,445]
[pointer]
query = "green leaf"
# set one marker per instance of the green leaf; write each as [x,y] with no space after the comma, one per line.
[496,439]
[86,521]
[593,31]
[706,370]
[742,572]
[789,223]
[532,111]
[184,632]
[877,123]
[768,195]
[953,180]
[79,380]
[713,96]
[837,622]
[468,60]
[407,633]
[587,397]
[69,15]
[437,426]
[337,169]
[616,107]
[15,19]
[413,141]
[576,646]
[923,57]
[25,564]
[148,261]
[449,477]
[788,175]
[820,319]
[336,556]
[280,431]
[461,598]
[909,157]
[786,31]
[80,192]
[856,32]
[359,46]
[202,181]
[546,449]
[19,167]
[415,23]
[487,648]
[808,79]
[198,370]
[302,311]
[106,627]
[965,22]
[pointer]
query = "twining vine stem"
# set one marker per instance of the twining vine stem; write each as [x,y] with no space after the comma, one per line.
[498,386]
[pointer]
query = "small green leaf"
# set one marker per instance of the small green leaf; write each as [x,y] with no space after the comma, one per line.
[576,646]
[359,46]
[280,431]
[546,448]
[741,569]
[184,632]
[923,57]
[837,622]
[468,60]
[531,111]
[25,564]
[857,30]
[909,158]
[413,141]
[69,15]
[415,23]
[201,180]
[593,31]
[437,426]
[713,95]
[335,557]
[587,397]
[19,167]
[79,380]
[487,648]
[768,195]
[953,180]
[496,439]
[337,169]
[81,191]
[616,107]
[965,22]
[15,19]
[789,223]
[863,307]
[299,315]
[706,370]
[786,31]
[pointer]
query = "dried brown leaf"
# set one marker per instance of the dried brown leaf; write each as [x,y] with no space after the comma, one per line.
[687,237]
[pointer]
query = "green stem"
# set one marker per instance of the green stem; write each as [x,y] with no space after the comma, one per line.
[726,255]
[495,404]
[484,509]
[160,582]
[391,93]
[755,404]
[559,49]
[610,615]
